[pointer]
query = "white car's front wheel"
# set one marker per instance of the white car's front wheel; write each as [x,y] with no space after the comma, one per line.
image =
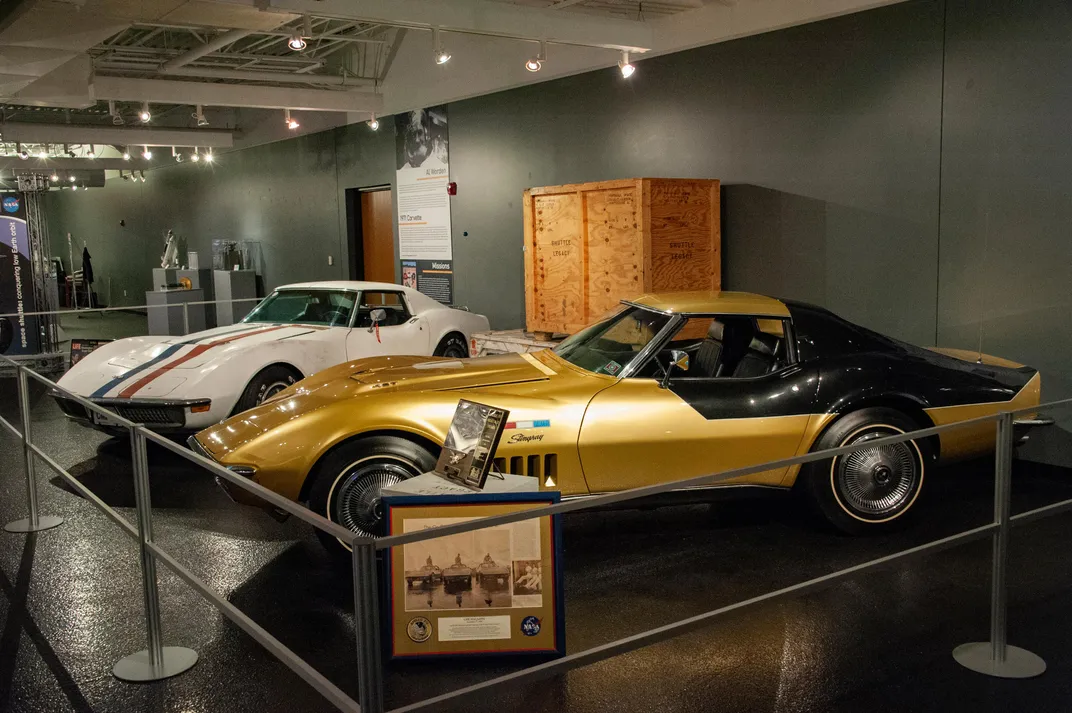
[267,383]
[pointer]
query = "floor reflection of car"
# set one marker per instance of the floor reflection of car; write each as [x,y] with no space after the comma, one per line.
[669,387]
[427,576]
[490,575]
[458,577]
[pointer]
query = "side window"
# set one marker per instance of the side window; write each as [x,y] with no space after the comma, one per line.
[391,302]
[726,347]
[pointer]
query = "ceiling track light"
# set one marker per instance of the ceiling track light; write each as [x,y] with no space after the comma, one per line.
[195,156]
[374,123]
[199,115]
[441,54]
[117,120]
[291,123]
[208,155]
[126,154]
[71,178]
[297,42]
[146,153]
[145,116]
[43,153]
[54,177]
[92,153]
[21,152]
[627,68]
[535,64]
[176,155]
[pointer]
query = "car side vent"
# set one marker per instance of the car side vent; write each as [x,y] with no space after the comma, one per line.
[534,466]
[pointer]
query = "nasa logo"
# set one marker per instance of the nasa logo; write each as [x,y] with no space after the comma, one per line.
[419,629]
[11,204]
[530,626]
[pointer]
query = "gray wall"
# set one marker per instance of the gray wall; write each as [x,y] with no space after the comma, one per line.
[908,167]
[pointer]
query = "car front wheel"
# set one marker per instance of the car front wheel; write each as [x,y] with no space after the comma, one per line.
[870,489]
[348,482]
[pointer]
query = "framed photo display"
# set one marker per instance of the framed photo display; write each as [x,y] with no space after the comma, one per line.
[488,592]
[470,445]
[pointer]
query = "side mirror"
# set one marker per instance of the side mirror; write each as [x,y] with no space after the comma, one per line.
[678,360]
[376,316]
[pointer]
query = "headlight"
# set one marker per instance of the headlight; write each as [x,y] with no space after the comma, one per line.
[246,471]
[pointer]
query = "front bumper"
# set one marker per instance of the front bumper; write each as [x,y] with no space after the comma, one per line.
[163,415]
[237,495]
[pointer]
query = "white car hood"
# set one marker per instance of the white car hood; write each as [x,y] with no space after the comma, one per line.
[155,367]
[196,350]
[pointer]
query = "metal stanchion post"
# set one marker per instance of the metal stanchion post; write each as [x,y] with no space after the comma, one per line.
[996,657]
[367,627]
[185,319]
[36,522]
[157,661]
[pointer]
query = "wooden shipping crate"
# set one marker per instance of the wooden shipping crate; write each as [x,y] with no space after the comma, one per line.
[590,245]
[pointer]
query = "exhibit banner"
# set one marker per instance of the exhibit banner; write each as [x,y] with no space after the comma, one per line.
[81,348]
[434,278]
[18,335]
[490,592]
[423,173]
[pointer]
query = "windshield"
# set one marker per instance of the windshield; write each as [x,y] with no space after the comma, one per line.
[609,346]
[329,307]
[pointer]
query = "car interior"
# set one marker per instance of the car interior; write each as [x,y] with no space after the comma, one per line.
[729,347]
[391,302]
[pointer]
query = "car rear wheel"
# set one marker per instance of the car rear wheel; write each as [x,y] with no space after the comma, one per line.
[267,383]
[348,481]
[452,346]
[871,489]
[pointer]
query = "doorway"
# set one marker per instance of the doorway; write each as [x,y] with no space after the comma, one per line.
[370,227]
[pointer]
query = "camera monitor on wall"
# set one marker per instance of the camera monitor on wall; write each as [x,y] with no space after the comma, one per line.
[470,446]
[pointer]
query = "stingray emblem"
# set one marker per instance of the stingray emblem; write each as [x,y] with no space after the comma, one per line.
[456,458]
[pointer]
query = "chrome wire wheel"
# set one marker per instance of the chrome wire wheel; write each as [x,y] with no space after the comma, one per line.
[878,483]
[355,498]
[271,390]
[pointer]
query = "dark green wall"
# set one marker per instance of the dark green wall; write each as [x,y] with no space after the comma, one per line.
[908,167]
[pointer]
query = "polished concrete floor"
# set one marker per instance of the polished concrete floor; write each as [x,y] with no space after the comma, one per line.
[70,602]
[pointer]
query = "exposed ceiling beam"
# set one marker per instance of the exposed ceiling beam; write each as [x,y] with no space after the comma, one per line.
[336,80]
[216,43]
[34,133]
[44,166]
[481,17]
[164,91]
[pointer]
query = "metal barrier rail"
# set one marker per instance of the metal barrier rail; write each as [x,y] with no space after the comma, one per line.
[184,305]
[157,661]
[83,310]
[995,657]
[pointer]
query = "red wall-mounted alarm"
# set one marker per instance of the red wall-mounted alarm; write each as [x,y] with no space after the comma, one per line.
[452,189]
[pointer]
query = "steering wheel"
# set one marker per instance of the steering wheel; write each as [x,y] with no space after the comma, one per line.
[336,316]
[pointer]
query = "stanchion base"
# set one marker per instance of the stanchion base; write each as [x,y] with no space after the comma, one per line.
[44,522]
[1019,663]
[136,667]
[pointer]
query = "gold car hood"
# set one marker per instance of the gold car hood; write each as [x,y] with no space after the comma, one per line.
[370,378]
[449,374]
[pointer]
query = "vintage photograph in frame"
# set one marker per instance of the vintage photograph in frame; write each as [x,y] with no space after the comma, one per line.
[493,591]
[470,444]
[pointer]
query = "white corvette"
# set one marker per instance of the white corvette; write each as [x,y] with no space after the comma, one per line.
[191,382]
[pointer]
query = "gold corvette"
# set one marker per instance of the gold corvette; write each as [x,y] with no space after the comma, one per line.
[668,387]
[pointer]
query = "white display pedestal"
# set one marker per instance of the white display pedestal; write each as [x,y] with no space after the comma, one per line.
[166,312]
